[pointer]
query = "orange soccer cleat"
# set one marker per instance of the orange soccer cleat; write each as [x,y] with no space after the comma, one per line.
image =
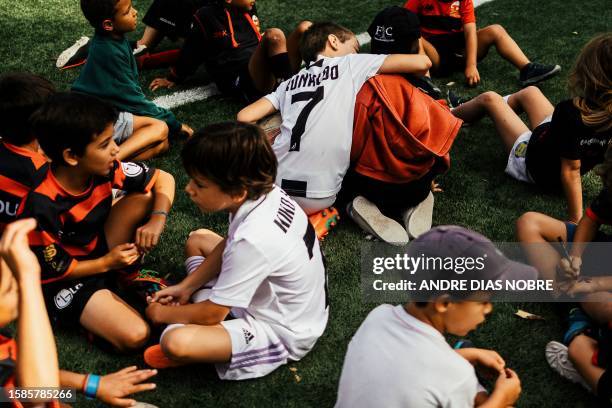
[155,357]
[324,221]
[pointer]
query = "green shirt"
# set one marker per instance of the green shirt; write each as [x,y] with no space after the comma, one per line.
[111,73]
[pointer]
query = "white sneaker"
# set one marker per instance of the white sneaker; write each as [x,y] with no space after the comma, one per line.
[367,215]
[558,359]
[417,220]
[71,52]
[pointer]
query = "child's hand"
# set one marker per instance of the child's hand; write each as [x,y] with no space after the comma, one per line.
[158,83]
[147,236]
[489,359]
[153,312]
[582,286]
[186,130]
[571,267]
[172,294]
[122,255]
[116,386]
[15,250]
[472,76]
[509,385]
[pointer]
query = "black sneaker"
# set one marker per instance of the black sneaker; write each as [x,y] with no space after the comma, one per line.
[533,73]
[426,85]
[75,55]
[455,100]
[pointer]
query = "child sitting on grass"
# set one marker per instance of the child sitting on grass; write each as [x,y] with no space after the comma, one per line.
[317,106]
[401,140]
[82,240]
[111,72]
[585,355]
[37,367]
[267,275]
[453,43]
[225,36]
[561,143]
[399,356]
[534,230]
[22,165]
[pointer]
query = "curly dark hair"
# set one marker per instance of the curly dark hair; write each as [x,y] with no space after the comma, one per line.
[236,156]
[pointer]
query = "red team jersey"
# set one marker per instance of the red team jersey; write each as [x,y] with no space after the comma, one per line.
[71,227]
[21,170]
[442,17]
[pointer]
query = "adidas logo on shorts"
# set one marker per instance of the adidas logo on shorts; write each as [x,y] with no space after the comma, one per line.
[248,336]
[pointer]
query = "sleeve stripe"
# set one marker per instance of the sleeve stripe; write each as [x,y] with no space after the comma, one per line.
[151,183]
[591,214]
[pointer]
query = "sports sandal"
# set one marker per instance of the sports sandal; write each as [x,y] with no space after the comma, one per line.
[367,215]
[324,221]
[155,357]
[558,359]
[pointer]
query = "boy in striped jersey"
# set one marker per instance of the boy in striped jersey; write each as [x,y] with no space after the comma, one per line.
[82,240]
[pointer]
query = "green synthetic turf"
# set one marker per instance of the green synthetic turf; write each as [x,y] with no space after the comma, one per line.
[477,194]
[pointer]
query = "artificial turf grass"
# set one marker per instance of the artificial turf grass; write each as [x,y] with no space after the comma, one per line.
[477,194]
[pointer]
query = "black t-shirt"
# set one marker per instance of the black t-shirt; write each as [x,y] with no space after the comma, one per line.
[224,39]
[564,137]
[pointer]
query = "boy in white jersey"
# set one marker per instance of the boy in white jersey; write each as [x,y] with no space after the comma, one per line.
[268,273]
[317,106]
[399,356]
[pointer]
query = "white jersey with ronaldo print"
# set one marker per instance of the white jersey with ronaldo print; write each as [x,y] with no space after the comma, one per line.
[272,271]
[317,106]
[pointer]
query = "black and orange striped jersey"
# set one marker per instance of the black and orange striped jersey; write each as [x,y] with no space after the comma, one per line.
[21,170]
[71,227]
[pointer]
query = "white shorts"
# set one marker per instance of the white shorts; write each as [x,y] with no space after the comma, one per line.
[517,163]
[314,205]
[123,128]
[256,349]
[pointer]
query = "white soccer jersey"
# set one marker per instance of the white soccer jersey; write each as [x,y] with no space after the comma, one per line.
[272,270]
[396,360]
[317,105]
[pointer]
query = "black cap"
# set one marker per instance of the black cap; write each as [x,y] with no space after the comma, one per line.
[394,31]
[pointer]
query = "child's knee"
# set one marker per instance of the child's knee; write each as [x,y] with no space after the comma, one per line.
[161,130]
[530,92]
[135,337]
[175,344]
[275,37]
[490,98]
[527,224]
[200,241]
[496,31]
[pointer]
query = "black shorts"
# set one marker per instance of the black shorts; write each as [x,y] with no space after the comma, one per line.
[239,86]
[172,17]
[451,48]
[66,299]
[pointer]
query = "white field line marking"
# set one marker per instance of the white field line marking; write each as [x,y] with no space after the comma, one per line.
[201,93]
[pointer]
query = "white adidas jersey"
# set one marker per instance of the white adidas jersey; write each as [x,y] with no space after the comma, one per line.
[317,106]
[272,269]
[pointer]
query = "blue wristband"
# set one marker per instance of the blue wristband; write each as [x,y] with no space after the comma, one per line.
[91,386]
